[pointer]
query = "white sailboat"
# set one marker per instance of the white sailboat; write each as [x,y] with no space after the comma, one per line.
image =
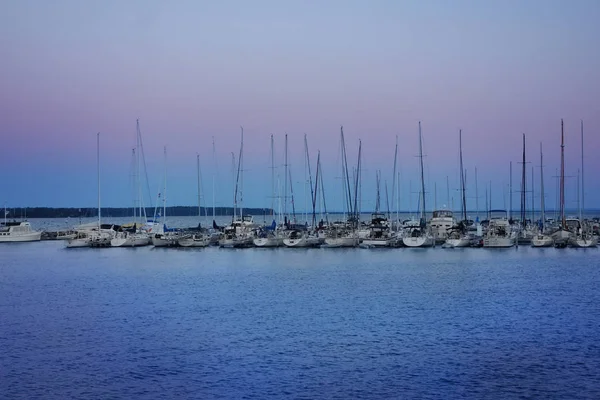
[161,235]
[540,239]
[583,238]
[345,234]
[420,236]
[268,236]
[98,236]
[562,236]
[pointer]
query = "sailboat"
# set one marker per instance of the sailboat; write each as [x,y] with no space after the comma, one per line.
[418,236]
[458,236]
[163,236]
[268,236]
[583,238]
[196,237]
[239,232]
[135,236]
[562,236]
[99,235]
[345,234]
[541,239]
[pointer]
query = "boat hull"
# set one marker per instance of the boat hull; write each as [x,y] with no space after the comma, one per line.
[498,242]
[130,241]
[268,242]
[418,241]
[584,242]
[342,242]
[21,237]
[542,241]
[303,242]
[194,241]
[78,243]
[460,242]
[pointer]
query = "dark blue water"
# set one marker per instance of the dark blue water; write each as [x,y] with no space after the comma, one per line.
[324,323]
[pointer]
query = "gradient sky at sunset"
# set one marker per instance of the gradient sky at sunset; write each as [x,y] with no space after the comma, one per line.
[193,70]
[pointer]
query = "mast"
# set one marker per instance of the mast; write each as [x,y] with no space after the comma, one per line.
[562,176]
[462,178]
[377,195]
[532,195]
[345,174]
[356,184]
[581,213]
[165,188]
[98,172]
[387,197]
[272,176]
[213,177]
[579,194]
[322,188]
[138,178]
[510,196]
[476,195]
[523,190]
[241,174]
[422,177]
[233,182]
[542,200]
[394,199]
[198,176]
[285,177]
[312,195]
[292,197]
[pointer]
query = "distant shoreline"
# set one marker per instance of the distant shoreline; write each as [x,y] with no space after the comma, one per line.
[192,211]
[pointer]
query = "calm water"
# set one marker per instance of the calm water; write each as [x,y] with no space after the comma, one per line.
[324,323]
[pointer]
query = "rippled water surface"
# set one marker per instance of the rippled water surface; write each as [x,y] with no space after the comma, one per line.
[323,323]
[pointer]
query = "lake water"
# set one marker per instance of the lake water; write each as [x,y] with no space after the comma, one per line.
[320,323]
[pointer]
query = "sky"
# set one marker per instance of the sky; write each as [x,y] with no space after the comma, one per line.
[192,71]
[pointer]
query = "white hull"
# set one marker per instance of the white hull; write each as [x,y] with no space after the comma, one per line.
[130,241]
[498,242]
[303,242]
[342,242]
[377,242]
[268,242]
[21,237]
[418,241]
[584,243]
[542,241]
[460,242]
[194,241]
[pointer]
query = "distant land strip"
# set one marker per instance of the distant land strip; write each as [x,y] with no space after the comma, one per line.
[118,212]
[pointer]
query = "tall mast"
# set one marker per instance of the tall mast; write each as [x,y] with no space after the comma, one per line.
[377,195]
[579,194]
[233,181]
[394,200]
[476,194]
[345,174]
[422,177]
[312,195]
[241,173]
[462,178]
[322,188]
[562,175]
[138,166]
[98,172]
[198,176]
[356,184]
[542,200]
[582,181]
[510,195]
[523,189]
[532,195]
[285,177]
[165,188]
[213,176]
[272,176]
